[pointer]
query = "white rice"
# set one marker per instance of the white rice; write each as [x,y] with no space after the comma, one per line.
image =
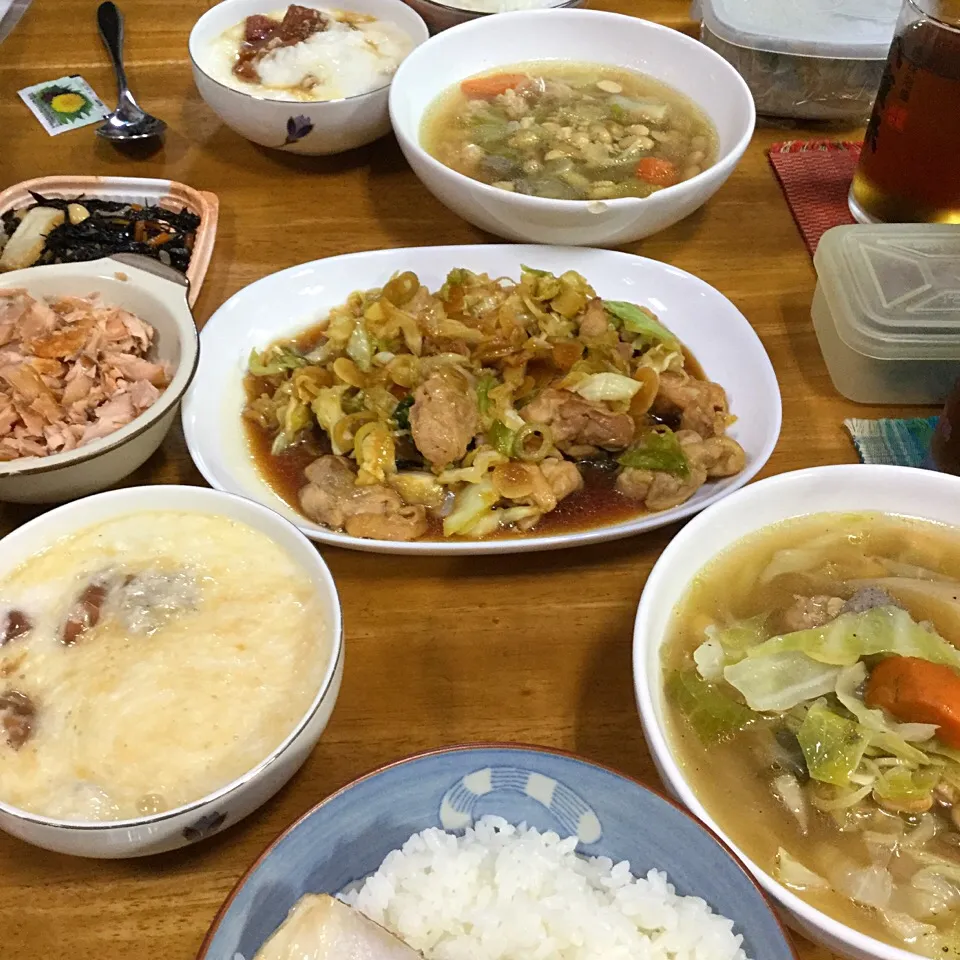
[344,61]
[501,892]
[498,6]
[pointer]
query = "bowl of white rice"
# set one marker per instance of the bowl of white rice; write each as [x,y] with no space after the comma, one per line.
[508,852]
[441,14]
[311,77]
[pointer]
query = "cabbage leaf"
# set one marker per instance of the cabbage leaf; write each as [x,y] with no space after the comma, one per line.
[607,387]
[843,641]
[712,714]
[902,785]
[832,745]
[781,681]
[640,321]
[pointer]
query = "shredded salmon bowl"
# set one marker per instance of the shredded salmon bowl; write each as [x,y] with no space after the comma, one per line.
[482,408]
[72,370]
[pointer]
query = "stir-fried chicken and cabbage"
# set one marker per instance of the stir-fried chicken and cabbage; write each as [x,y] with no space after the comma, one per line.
[812,677]
[479,408]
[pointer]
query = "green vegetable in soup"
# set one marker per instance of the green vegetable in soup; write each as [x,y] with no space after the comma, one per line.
[844,641]
[832,745]
[641,322]
[712,714]
[740,636]
[902,785]
[780,681]
[656,448]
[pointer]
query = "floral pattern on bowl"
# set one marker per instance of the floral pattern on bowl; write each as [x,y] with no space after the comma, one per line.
[297,128]
[204,827]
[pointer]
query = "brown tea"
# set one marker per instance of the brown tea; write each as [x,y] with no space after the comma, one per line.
[909,169]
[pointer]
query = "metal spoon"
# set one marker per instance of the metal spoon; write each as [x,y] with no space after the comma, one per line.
[129,121]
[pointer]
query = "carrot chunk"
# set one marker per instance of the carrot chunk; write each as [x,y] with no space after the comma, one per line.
[918,691]
[486,88]
[660,172]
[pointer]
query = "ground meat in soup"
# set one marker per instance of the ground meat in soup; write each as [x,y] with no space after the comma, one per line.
[570,131]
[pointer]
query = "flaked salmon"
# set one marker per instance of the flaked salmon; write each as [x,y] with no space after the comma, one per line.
[72,370]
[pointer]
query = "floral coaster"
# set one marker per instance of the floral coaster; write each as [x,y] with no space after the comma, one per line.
[63,104]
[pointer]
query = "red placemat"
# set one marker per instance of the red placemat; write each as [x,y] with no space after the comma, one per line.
[816,176]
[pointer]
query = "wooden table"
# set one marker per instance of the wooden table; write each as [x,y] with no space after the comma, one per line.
[531,648]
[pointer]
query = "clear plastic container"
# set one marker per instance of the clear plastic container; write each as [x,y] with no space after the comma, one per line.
[887,311]
[804,59]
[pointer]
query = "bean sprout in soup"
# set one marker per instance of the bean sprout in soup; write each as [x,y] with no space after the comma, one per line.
[150,660]
[570,131]
[812,679]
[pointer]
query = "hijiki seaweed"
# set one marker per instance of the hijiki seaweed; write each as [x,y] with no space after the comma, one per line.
[99,228]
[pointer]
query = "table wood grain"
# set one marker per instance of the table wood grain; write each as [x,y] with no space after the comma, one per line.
[439,651]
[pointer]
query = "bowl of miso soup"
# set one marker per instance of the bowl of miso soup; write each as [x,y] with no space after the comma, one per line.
[797,670]
[570,126]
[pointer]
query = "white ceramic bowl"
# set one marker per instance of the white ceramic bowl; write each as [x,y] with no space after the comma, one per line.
[155,294]
[232,802]
[288,302]
[443,15]
[311,127]
[853,488]
[579,35]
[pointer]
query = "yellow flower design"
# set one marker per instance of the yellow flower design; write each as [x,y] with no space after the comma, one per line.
[68,103]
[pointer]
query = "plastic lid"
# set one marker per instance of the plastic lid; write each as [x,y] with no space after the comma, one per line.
[894,289]
[842,29]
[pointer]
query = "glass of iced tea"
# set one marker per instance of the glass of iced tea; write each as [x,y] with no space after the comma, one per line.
[909,170]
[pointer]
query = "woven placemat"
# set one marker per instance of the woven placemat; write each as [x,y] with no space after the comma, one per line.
[816,176]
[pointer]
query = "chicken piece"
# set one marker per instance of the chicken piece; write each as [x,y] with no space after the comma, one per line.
[320,927]
[562,475]
[719,456]
[332,497]
[660,490]
[443,418]
[805,613]
[579,426]
[594,322]
[700,404]
[404,523]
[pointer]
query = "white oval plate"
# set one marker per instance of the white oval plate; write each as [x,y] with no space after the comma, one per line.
[287,302]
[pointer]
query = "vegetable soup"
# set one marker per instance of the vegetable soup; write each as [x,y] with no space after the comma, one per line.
[570,131]
[812,678]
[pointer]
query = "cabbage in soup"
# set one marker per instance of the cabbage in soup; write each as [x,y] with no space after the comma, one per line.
[812,687]
[570,131]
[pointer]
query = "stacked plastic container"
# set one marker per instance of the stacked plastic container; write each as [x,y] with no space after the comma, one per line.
[887,311]
[805,59]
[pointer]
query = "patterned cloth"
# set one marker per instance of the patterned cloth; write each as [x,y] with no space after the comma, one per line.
[816,176]
[904,443]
